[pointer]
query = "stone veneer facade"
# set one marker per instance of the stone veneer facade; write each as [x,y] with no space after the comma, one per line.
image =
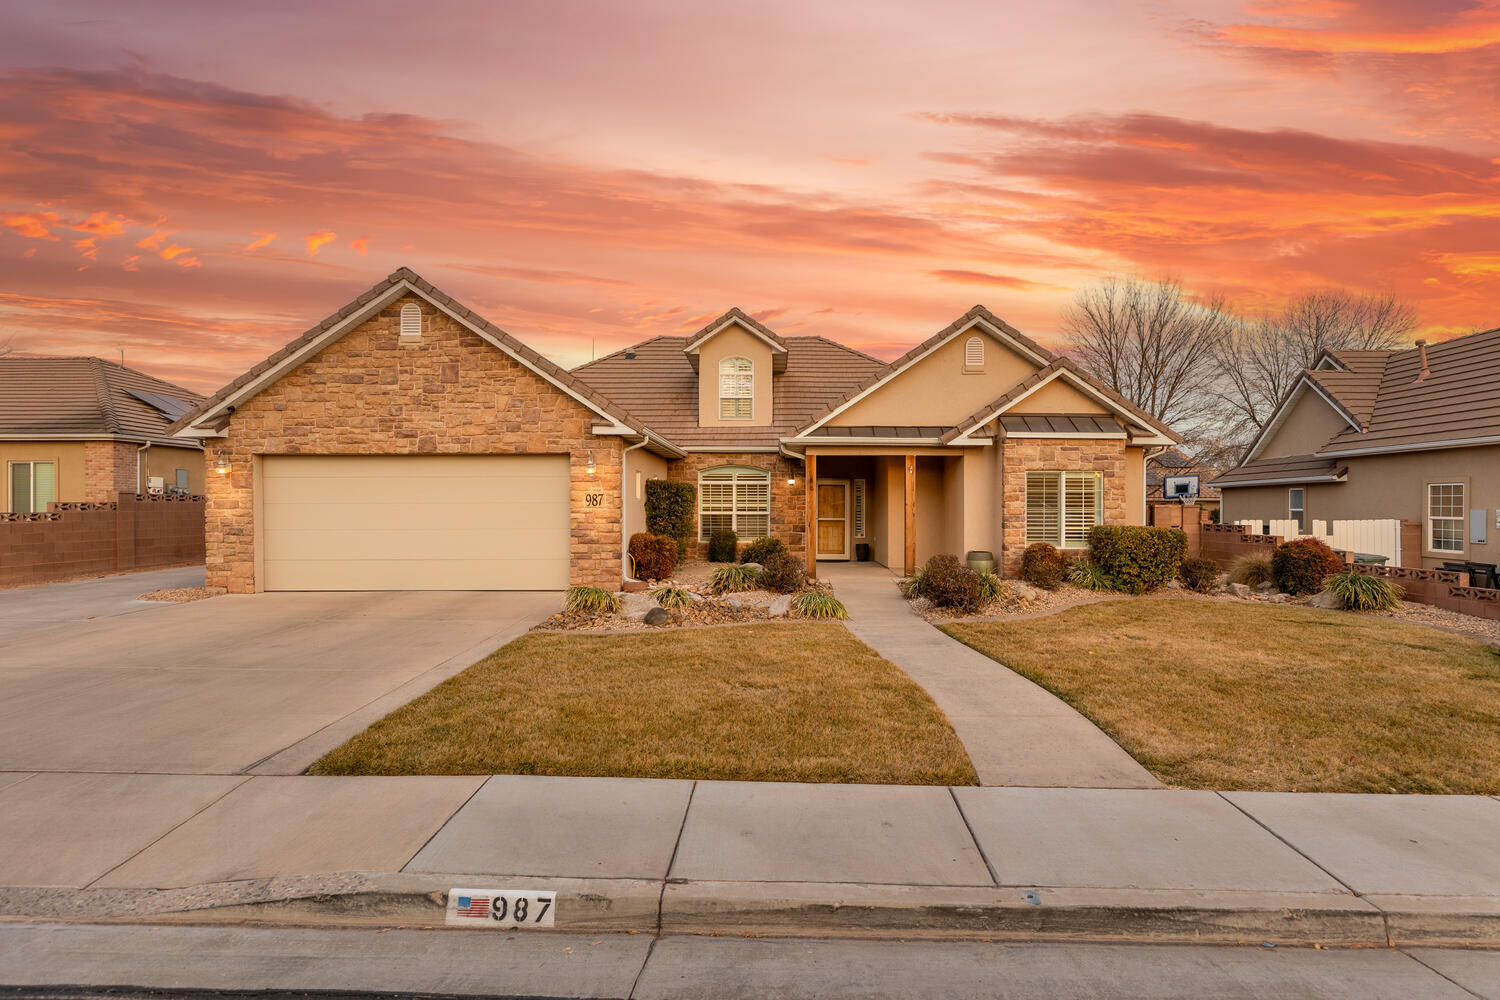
[109,469]
[1023,455]
[788,503]
[453,393]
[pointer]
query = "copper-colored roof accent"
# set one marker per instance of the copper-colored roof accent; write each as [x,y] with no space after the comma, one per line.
[75,397]
[549,370]
[1081,424]
[660,386]
[1287,469]
[878,431]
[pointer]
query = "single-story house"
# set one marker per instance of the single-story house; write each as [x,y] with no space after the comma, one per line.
[1411,434]
[1188,477]
[408,443]
[87,429]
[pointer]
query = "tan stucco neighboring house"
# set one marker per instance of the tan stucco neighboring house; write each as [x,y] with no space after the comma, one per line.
[86,429]
[407,443]
[1411,434]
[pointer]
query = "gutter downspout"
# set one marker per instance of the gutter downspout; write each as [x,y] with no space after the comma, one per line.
[624,527]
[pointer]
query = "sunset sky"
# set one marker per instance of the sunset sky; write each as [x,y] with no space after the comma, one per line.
[197,183]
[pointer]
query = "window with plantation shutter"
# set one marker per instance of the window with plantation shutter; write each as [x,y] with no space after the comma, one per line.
[736,388]
[1061,507]
[736,499]
[859,508]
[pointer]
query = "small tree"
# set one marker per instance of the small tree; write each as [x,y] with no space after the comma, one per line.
[670,511]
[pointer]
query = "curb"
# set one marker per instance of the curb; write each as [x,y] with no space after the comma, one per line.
[759,909]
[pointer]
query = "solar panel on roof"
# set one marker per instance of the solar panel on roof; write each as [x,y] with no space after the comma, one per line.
[168,405]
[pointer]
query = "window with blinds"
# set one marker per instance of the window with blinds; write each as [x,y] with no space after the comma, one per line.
[33,485]
[735,499]
[736,388]
[1061,507]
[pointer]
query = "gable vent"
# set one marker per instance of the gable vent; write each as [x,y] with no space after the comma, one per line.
[411,321]
[974,353]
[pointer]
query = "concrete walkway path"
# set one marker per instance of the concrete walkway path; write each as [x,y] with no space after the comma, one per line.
[1016,733]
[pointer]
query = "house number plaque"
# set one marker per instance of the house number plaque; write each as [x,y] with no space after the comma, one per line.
[593,498]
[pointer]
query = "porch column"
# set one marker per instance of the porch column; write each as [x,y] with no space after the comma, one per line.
[911,515]
[810,514]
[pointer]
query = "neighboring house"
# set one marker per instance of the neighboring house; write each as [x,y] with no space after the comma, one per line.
[1189,478]
[407,443]
[1412,434]
[86,429]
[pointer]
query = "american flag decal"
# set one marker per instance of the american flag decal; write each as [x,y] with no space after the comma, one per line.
[474,906]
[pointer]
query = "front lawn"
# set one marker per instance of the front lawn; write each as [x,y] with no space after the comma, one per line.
[772,702]
[1229,695]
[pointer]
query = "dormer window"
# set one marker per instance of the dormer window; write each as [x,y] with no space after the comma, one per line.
[736,388]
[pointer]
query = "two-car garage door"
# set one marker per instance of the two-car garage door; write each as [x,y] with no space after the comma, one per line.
[414,522]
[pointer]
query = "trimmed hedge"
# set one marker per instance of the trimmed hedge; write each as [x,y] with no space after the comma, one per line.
[1137,559]
[1301,565]
[762,549]
[655,556]
[671,510]
[722,545]
[1043,566]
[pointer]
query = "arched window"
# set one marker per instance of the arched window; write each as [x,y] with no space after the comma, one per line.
[974,353]
[411,321]
[735,498]
[736,388]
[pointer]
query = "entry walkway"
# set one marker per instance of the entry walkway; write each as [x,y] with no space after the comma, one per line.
[1016,732]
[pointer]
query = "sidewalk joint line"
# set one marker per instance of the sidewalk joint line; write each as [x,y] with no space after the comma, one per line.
[650,950]
[1439,973]
[444,823]
[175,827]
[952,794]
[1256,820]
[661,897]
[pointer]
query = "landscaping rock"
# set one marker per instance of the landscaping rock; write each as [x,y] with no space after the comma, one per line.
[781,606]
[657,616]
[1239,590]
[735,601]
[1324,599]
[1174,584]
[1277,598]
[636,605]
[756,566]
[1023,591]
[1266,588]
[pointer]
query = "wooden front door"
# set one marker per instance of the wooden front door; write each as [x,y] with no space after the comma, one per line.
[833,520]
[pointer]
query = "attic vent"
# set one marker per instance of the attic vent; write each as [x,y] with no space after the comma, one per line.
[411,322]
[974,353]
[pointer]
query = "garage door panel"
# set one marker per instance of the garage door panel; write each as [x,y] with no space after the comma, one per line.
[415,522]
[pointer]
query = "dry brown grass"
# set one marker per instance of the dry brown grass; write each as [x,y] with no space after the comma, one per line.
[1236,695]
[774,702]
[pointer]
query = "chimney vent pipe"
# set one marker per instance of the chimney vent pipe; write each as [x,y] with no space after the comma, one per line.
[1422,352]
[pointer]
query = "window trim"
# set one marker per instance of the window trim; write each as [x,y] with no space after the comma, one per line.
[740,474]
[747,373]
[1462,520]
[1300,515]
[1060,541]
[31,464]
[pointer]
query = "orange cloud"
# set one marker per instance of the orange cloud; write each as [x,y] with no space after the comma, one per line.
[32,225]
[87,247]
[361,246]
[171,250]
[189,262]
[261,239]
[981,278]
[316,241]
[102,225]
[131,263]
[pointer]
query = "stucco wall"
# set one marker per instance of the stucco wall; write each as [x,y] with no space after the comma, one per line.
[1305,429]
[1135,486]
[67,457]
[164,461]
[451,394]
[938,390]
[734,341]
[1057,396]
[640,465]
[1390,486]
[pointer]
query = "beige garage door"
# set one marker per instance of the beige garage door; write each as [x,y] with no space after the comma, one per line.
[415,522]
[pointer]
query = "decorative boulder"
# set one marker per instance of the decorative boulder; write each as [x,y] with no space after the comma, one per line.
[1023,591]
[636,605]
[781,606]
[657,616]
[1239,590]
[1325,599]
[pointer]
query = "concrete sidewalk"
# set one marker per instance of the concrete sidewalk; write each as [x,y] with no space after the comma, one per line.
[1016,733]
[764,858]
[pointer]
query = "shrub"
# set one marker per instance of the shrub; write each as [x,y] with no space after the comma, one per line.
[911,586]
[722,546]
[1089,575]
[734,578]
[1137,559]
[1200,575]
[948,583]
[1252,571]
[592,601]
[1299,566]
[1043,566]
[818,604]
[673,597]
[761,549]
[991,588]
[783,573]
[655,556]
[1362,592]
[671,510]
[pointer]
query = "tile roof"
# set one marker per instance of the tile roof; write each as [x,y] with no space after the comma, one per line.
[81,396]
[1291,469]
[1355,391]
[1061,423]
[660,386]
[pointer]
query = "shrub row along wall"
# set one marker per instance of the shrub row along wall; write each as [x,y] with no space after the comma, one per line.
[1439,588]
[74,540]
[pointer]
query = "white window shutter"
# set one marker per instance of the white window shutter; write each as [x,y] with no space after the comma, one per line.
[859,508]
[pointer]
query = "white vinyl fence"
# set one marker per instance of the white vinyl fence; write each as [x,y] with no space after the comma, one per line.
[1376,537]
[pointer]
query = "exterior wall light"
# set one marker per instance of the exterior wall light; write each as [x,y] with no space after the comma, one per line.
[223,466]
[791,480]
[591,462]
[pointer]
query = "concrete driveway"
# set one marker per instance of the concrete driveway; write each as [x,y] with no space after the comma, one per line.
[31,609]
[262,683]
